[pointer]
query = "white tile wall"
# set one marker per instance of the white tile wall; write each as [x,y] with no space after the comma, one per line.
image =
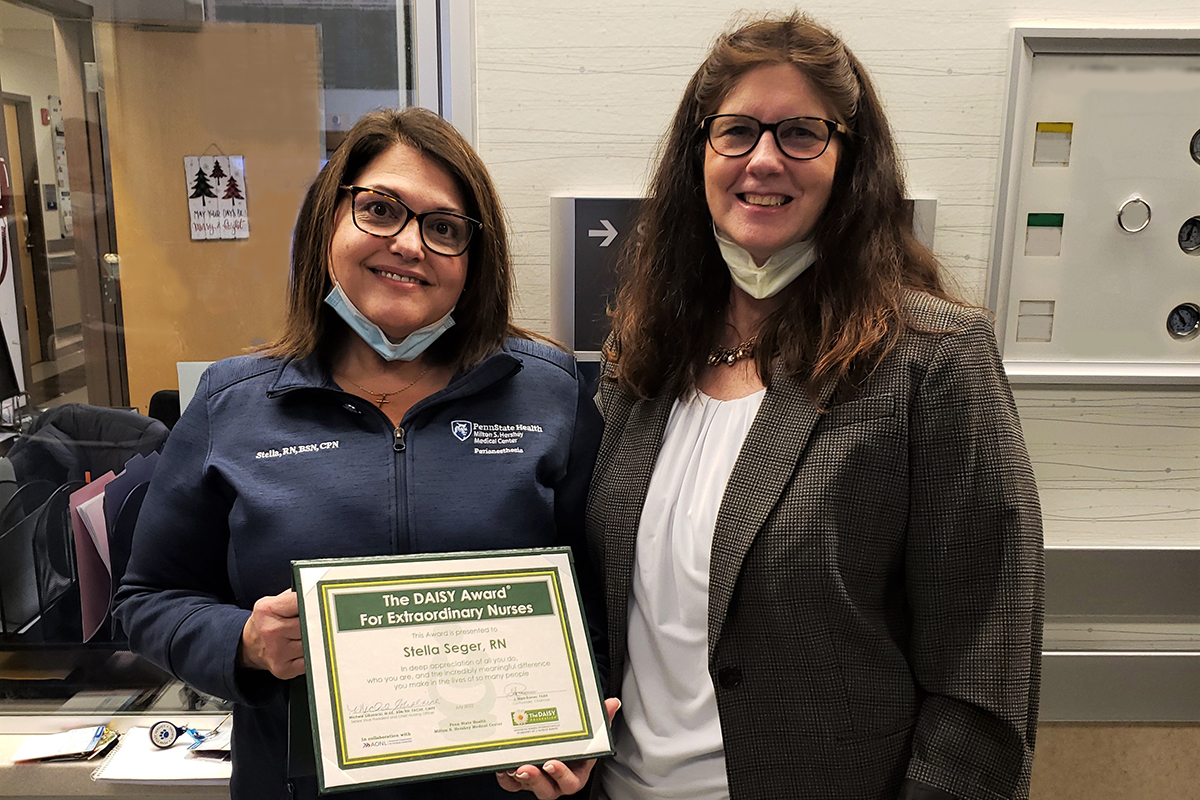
[573,97]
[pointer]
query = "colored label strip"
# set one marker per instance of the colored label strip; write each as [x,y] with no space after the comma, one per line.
[1045,221]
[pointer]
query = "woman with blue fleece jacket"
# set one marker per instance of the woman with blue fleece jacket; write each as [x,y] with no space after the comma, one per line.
[366,429]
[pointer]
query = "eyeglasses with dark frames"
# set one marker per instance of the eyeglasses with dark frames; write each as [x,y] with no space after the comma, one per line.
[800,138]
[384,215]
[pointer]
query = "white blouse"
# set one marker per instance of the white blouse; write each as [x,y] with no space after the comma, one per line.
[670,745]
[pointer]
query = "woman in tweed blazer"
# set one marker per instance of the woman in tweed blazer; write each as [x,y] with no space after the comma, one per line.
[813,505]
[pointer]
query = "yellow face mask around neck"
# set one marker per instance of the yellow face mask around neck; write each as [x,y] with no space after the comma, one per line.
[771,278]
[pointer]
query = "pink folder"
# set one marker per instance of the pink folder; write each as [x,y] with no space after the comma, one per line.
[91,556]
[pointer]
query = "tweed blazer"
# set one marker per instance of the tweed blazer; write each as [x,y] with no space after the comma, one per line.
[876,585]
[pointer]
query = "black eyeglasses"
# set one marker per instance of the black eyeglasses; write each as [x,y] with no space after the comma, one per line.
[801,138]
[385,215]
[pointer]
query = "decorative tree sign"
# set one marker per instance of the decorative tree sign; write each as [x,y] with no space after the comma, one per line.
[216,187]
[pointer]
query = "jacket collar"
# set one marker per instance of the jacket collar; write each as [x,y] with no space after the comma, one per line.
[297,374]
[765,466]
[300,373]
[763,471]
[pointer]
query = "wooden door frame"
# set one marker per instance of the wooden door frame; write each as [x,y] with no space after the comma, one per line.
[35,229]
[91,204]
[91,198]
[15,269]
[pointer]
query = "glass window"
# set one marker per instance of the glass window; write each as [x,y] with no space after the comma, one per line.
[155,161]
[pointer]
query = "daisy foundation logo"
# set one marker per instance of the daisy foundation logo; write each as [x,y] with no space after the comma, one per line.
[533,716]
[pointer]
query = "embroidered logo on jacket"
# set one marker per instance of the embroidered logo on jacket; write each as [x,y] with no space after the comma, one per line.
[493,439]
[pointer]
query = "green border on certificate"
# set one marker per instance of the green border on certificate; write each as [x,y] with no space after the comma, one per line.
[434,665]
[327,616]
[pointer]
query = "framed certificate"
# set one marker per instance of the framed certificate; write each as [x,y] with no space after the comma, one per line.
[427,666]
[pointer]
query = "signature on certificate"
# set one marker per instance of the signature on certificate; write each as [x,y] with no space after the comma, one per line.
[518,692]
[398,705]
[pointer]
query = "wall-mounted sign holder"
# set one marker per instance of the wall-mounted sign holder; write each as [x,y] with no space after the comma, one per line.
[1094,270]
[588,235]
[586,238]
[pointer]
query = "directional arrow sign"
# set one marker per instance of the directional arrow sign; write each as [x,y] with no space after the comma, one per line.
[588,235]
[608,234]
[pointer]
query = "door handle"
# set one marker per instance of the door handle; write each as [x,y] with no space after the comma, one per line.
[110,277]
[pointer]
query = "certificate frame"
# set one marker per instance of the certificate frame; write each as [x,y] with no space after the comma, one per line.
[411,675]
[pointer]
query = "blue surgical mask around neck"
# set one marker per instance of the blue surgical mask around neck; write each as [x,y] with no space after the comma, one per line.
[409,349]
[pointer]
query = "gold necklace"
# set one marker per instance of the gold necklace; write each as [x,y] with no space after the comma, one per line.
[383,396]
[731,355]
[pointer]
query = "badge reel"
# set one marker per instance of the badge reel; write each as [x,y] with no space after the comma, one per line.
[164,734]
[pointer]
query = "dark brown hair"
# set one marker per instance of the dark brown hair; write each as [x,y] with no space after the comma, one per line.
[482,315]
[842,315]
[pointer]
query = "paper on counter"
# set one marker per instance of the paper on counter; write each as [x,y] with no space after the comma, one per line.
[136,760]
[73,743]
[217,744]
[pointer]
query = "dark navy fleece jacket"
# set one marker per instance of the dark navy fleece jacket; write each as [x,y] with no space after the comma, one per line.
[272,462]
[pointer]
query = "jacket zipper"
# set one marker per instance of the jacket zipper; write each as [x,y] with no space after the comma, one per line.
[400,522]
[400,525]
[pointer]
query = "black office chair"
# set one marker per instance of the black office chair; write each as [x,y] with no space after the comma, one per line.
[74,441]
[164,407]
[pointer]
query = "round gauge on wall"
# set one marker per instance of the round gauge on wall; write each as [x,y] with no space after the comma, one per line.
[1184,321]
[1189,236]
[1196,147]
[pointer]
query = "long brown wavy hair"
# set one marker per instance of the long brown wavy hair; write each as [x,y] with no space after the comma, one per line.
[482,315]
[843,314]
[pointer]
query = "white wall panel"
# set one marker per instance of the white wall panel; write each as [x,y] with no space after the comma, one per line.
[573,97]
